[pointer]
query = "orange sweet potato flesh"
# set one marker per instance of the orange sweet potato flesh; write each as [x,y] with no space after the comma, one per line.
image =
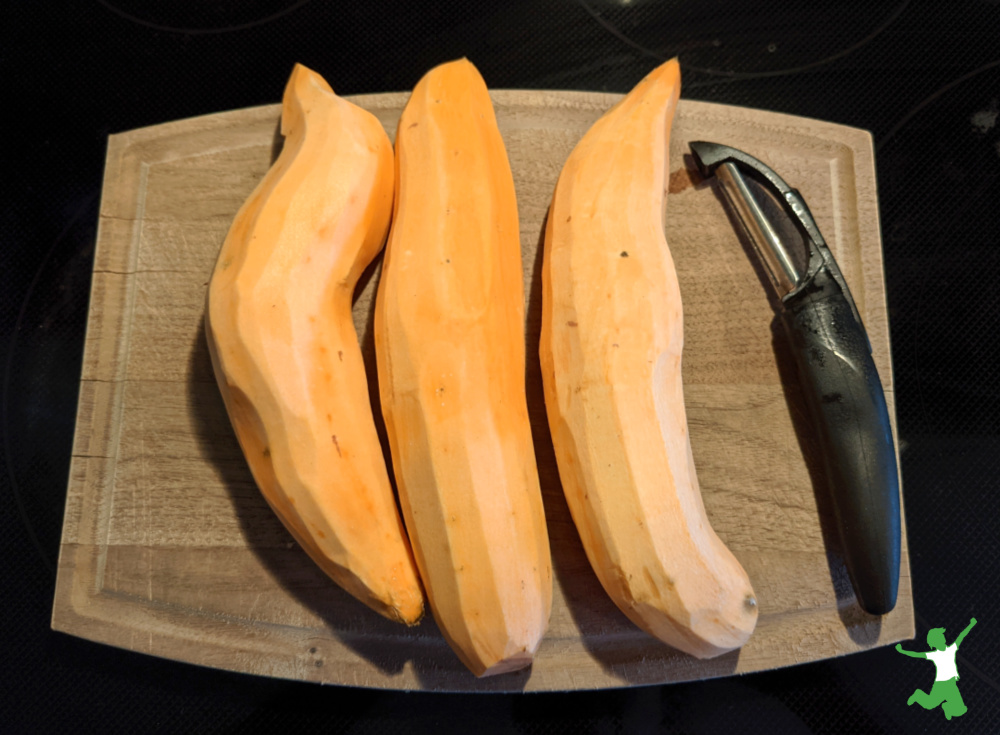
[610,349]
[449,339]
[286,354]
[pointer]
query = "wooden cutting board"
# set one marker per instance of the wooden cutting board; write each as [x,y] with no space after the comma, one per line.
[169,549]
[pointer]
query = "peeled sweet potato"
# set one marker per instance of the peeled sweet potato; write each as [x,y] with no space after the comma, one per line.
[449,339]
[611,342]
[286,354]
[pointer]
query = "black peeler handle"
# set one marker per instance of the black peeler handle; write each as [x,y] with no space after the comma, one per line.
[842,389]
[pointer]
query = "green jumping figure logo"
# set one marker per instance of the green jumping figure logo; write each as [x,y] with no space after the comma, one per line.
[945,692]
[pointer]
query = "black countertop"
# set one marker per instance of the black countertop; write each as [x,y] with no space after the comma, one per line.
[924,78]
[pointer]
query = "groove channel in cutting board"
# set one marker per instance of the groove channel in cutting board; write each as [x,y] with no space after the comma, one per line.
[169,549]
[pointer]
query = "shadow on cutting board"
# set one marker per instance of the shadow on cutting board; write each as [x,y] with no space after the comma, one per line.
[381,642]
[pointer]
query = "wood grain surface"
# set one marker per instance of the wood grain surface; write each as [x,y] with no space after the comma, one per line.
[169,549]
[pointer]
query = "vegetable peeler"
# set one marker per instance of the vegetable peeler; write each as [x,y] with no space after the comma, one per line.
[838,376]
